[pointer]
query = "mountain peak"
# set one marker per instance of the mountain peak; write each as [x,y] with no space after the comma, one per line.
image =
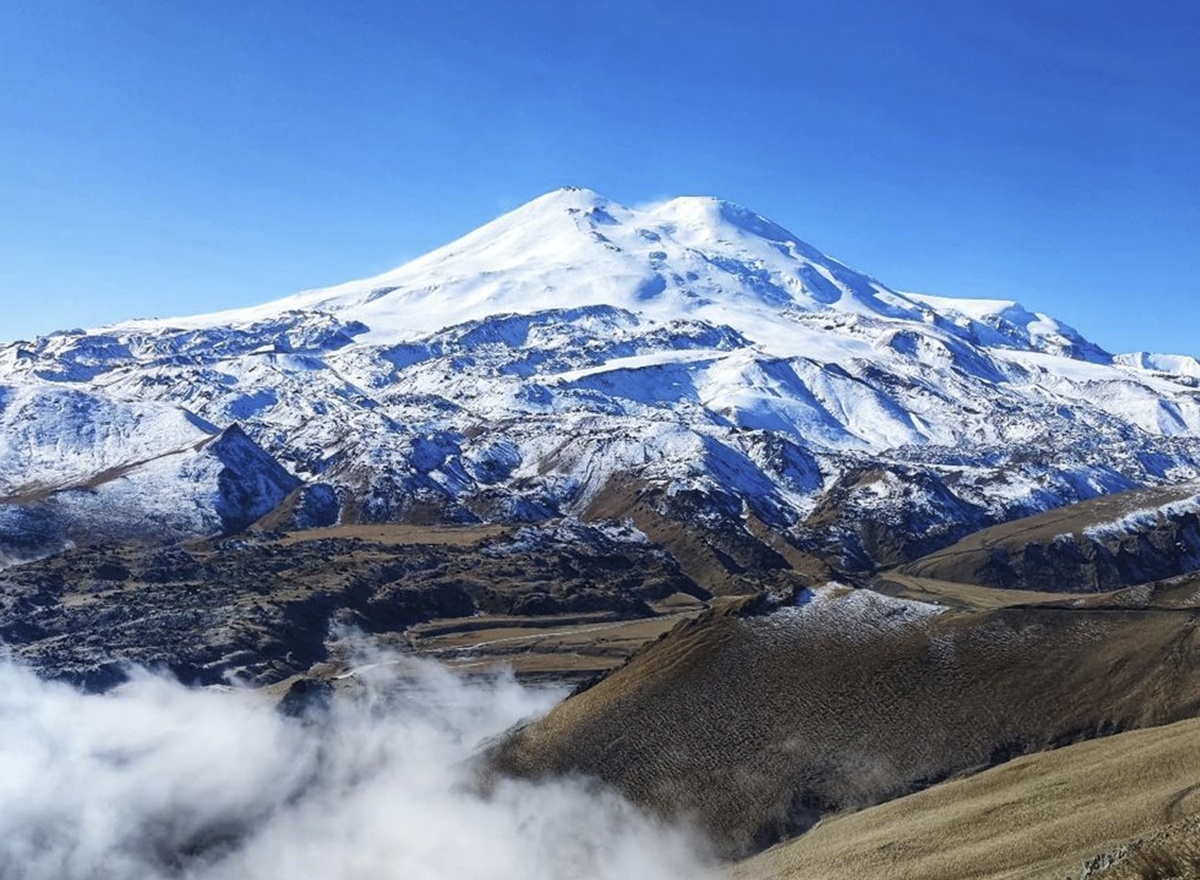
[714,211]
[711,215]
[696,258]
[566,198]
[689,257]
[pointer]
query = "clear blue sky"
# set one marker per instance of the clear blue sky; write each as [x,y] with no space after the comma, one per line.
[163,158]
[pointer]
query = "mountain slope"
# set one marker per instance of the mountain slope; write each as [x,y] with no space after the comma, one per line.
[693,350]
[758,726]
[1040,817]
[219,485]
[1106,543]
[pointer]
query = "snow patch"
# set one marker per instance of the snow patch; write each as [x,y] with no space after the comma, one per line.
[1143,519]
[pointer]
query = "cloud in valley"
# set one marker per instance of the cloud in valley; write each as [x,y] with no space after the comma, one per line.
[157,780]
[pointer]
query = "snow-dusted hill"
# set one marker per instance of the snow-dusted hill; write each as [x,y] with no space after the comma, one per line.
[694,349]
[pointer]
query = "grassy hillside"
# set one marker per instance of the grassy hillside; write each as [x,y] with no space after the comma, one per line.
[756,727]
[1039,816]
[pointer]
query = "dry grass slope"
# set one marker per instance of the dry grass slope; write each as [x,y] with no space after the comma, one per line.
[1170,853]
[756,727]
[1039,816]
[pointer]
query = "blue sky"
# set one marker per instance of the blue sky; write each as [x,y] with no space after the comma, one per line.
[169,158]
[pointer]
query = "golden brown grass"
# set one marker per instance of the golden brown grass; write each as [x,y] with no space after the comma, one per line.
[959,595]
[1171,853]
[551,646]
[1040,816]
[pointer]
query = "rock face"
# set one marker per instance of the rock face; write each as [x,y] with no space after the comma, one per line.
[732,374]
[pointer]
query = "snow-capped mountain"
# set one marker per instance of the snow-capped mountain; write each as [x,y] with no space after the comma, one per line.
[693,353]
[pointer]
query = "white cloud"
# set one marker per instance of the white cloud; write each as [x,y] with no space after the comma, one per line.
[156,780]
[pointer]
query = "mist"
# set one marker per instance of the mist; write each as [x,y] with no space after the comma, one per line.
[12,556]
[158,780]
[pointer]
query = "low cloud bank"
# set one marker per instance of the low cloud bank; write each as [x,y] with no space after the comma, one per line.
[155,780]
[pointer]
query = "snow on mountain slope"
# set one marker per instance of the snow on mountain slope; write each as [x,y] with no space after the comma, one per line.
[51,436]
[1179,365]
[1005,324]
[693,345]
[219,485]
[691,257]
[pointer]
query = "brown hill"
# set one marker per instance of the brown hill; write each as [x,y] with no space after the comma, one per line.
[757,726]
[1102,544]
